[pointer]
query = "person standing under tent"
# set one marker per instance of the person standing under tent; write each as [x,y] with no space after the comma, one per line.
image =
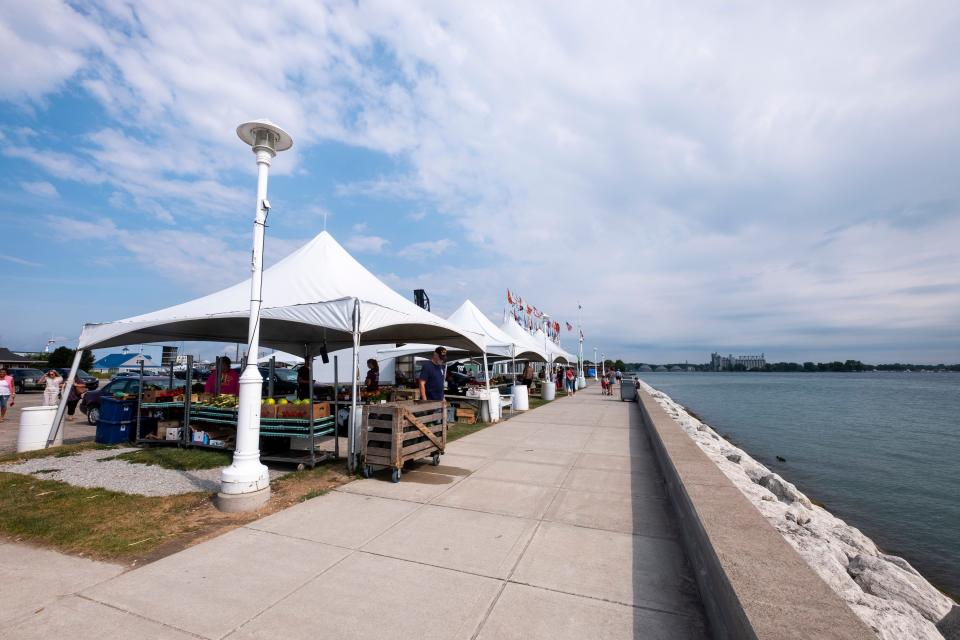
[433,376]
[52,386]
[229,379]
[372,381]
[8,393]
[303,382]
[527,377]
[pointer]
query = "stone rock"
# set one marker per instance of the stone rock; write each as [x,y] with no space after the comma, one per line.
[768,497]
[733,457]
[894,620]
[886,580]
[784,490]
[798,514]
[949,626]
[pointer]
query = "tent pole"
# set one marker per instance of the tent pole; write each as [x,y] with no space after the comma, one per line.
[336,407]
[308,363]
[355,367]
[65,394]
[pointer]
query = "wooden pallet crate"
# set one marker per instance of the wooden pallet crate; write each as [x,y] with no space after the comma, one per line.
[395,432]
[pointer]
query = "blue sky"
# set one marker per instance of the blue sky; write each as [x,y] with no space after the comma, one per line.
[780,179]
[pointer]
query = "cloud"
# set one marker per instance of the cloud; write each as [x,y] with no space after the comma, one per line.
[366,244]
[717,193]
[40,188]
[20,261]
[423,250]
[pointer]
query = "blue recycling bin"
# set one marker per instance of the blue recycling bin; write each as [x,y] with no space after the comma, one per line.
[117,421]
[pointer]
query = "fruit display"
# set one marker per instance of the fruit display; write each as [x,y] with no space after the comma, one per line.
[224,401]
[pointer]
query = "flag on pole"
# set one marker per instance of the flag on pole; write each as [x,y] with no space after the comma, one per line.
[569,327]
[509,297]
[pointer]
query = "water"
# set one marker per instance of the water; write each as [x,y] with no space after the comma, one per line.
[879,450]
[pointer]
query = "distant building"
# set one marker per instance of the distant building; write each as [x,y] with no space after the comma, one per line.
[11,360]
[737,363]
[117,362]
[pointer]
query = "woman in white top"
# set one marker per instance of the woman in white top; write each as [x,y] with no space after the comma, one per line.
[52,384]
[8,391]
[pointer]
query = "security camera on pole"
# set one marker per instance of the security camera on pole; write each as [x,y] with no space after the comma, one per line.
[245,484]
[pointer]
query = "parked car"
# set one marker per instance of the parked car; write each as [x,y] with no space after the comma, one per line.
[90,404]
[284,381]
[92,382]
[27,379]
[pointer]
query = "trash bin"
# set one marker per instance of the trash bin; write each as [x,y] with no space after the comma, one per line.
[35,423]
[521,399]
[490,405]
[548,390]
[628,390]
[581,383]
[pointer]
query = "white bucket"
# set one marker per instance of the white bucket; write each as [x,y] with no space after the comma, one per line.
[548,390]
[35,423]
[581,382]
[521,399]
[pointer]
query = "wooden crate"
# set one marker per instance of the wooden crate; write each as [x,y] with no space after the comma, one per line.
[399,431]
[399,395]
[467,414]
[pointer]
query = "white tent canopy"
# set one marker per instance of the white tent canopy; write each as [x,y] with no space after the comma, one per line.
[520,336]
[309,298]
[285,358]
[497,344]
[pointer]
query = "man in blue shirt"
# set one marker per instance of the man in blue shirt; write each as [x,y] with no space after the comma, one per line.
[433,375]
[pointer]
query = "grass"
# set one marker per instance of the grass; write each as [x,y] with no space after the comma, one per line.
[457,430]
[176,459]
[133,529]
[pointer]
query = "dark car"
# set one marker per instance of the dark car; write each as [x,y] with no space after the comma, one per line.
[27,379]
[90,404]
[284,381]
[92,382]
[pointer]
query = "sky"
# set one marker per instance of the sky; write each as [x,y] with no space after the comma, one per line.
[739,177]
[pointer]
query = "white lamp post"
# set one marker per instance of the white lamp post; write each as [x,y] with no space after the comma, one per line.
[245,484]
[596,371]
[603,362]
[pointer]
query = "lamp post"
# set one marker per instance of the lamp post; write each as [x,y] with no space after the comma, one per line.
[603,362]
[596,371]
[245,484]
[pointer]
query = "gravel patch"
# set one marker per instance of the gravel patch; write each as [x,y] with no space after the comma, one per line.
[86,470]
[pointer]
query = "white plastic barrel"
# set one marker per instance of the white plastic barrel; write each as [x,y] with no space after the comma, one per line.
[581,383]
[521,399]
[35,423]
[548,390]
[490,405]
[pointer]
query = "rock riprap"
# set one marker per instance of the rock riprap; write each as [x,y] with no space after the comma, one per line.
[886,592]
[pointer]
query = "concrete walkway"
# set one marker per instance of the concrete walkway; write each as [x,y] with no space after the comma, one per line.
[551,525]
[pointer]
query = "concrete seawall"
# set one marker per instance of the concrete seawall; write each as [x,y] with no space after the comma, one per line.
[753,583]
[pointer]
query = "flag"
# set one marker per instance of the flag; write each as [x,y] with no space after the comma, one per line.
[509,297]
[529,309]
[569,327]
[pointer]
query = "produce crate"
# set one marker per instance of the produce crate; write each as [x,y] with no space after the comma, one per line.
[399,395]
[399,431]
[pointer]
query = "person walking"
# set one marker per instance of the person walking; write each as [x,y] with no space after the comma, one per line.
[571,382]
[75,395]
[619,376]
[52,386]
[611,381]
[8,393]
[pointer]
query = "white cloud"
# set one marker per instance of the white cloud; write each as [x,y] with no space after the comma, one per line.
[360,227]
[40,188]
[424,250]
[417,216]
[366,244]
[731,177]
[20,261]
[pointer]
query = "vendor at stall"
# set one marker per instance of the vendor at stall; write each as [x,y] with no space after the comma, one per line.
[303,383]
[433,375]
[372,381]
[229,379]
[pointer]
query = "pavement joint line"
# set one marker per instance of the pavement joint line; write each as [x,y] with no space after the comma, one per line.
[350,553]
[607,600]
[139,615]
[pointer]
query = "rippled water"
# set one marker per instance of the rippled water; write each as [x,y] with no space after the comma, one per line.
[879,450]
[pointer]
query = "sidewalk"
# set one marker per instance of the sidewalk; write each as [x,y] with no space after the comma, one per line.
[551,525]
